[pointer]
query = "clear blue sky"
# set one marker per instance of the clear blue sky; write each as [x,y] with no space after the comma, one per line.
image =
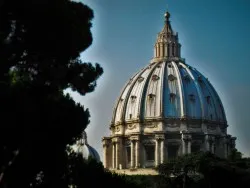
[215,38]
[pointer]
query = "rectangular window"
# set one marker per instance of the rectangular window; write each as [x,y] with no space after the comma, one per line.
[128,153]
[172,152]
[150,152]
[195,148]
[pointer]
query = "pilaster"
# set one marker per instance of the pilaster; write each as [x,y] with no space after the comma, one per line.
[135,151]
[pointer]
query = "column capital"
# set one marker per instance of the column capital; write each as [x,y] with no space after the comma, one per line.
[233,141]
[210,138]
[115,140]
[186,137]
[160,137]
[105,142]
[134,137]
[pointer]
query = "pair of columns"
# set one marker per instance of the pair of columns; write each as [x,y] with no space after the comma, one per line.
[210,143]
[115,143]
[115,153]
[135,153]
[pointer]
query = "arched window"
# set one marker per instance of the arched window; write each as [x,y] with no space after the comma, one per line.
[172,97]
[173,49]
[168,50]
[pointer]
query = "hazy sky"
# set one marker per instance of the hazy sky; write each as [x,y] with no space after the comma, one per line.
[215,38]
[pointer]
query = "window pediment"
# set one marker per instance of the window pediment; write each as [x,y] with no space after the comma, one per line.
[192,97]
[171,77]
[155,77]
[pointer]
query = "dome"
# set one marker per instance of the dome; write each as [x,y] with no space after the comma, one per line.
[169,89]
[88,152]
[85,149]
[167,109]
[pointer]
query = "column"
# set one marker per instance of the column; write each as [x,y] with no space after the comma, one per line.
[157,50]
[154,52]
[166,50]
[105,155]
[117,155]
[156,152]
[161,48]
[207,143]
[162,151]
[132,154]
[183,147]
[225,148]
[137,154]
[113,155]
[213,146]
[143,157]
[189,146]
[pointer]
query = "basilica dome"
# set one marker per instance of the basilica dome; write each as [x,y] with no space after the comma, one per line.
[169,89]
[165,110]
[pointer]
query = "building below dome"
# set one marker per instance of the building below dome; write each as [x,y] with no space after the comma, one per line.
[165,110]
[85,149]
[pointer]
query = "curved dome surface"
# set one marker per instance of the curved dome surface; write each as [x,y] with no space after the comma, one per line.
[168,89]
[85,149]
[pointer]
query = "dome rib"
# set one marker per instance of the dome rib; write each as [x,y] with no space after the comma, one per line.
[213,100]
[163,79]
[180,87]
[223,119]
[142,85]
[198,89]
[127,87]
[147,104]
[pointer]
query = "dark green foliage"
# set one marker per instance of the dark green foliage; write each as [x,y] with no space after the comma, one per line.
[41,42]
[149,181]
[43,39]
[206,170]
[90,173]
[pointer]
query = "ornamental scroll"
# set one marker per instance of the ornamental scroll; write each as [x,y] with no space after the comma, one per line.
[150,125]
[131,126]
[117,129]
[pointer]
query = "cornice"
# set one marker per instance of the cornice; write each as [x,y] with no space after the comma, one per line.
[169,120]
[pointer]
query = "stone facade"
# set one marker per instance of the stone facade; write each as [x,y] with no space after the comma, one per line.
[165,110]
[140,150]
